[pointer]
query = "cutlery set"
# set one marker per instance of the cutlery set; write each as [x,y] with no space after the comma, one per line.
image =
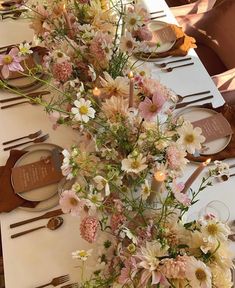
[34,136]
[33,97]
[158,16]
[54,223]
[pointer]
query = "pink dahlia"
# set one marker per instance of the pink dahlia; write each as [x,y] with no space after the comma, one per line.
[89,228]
[149,108]
[62,71]
[143,34]
[174,268]
[10,62]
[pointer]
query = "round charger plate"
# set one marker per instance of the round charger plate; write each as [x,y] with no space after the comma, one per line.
[54,200]
[154,26]
[196,113]
[41,193]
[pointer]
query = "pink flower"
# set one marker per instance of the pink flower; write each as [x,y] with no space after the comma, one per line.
[180,197]
[116,221]
[10,62]
[174,268]
[70,203]
[149,108]
[62,71]
[143,34]
[128,271]
[89,228]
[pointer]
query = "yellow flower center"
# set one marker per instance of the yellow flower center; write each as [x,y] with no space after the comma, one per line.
[212,229]
[8,59]
[83,110]
[132,21]
[189,138]
[73,201]
[142,73]
[153,108]
[24,50]
[60,54]
[82,254]
[131,248]
[129,44]
[146,190]
[200,274]
[135,164]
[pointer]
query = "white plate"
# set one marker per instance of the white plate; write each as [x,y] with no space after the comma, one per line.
[193,114]
[41,193]
[154,26]
[54,200]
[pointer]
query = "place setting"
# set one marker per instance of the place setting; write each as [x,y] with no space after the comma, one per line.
[12,9]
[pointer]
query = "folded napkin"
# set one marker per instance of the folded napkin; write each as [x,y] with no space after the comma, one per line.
[228,111]
[8,199]
[180,48]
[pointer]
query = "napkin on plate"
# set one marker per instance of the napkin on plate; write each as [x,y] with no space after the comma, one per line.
[8,199]
[180,48]
[228,111]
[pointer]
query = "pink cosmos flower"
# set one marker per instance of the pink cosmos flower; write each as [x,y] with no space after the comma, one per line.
[70,203]
[179,196]
[143,34]
[10,62]
[149,108]
[62,71]
[89,228]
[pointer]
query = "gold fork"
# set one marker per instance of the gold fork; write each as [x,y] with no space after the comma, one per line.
[56,281]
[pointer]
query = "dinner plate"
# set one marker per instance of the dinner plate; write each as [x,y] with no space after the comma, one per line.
[164,47]
[193,114]
[41,193]
[54,200]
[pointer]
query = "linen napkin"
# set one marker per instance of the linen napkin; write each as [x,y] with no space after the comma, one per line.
[228,111]
[180,48]
[8,199]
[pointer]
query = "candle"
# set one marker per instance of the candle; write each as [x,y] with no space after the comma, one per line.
[67,20]
[96,92]
[131,91]
[158,179]
[194,176]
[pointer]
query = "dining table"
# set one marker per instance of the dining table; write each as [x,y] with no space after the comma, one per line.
[36,258]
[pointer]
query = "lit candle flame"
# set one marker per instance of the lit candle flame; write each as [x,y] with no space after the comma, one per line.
[208,161]
[96,91]
[130,75]
[160,176]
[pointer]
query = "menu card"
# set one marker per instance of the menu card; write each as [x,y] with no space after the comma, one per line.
[44,172]
[165,35]
[214,127]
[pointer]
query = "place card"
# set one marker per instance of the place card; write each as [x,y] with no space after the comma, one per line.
[165,35]
[214,127]
[38,174]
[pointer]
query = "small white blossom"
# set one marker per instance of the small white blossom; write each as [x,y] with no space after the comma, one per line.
[83,110]
[24,49]
[102,183]
[82,254]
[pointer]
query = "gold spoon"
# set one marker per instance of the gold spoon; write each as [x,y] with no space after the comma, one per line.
[53,224]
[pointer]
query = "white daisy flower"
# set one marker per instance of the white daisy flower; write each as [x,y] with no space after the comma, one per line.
[24,49]
[83,110]
[127,43]
[198,274]
[145,190]
[133,21]
[134,164]
[190,138]
[214,231]
[82,254]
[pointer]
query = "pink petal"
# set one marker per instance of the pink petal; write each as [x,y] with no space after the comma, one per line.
[156,277]
[14,52]
[144,278]
[15,67]
[5,71]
